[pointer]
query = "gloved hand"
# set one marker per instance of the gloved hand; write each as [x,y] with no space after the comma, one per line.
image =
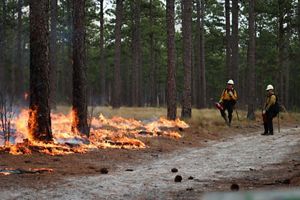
[263,112]
[230,93]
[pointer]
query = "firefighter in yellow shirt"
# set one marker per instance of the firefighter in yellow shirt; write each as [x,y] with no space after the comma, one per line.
[227,101]
[269,111]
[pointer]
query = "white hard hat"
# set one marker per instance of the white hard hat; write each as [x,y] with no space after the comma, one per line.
[270,87]
[230,82]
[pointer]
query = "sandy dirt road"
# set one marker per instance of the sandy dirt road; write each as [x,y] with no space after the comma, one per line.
[254,160]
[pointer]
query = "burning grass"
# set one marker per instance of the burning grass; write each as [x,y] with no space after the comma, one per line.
[114,132]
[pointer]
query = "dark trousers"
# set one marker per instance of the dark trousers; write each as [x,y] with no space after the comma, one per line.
[268,122]
[228,105]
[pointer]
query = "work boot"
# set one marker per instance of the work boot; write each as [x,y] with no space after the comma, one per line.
[226,121]
[265,133]
[266,129]
[270,133]
[229,122]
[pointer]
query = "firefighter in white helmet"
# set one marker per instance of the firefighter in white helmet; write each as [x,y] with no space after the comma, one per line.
[227,101]
[270,110]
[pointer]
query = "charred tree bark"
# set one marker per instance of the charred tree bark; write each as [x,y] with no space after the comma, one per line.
[235,41]
[103,99]
[228,40]
[79,123]
[251,62]
[53,52]
[116,101]
[136,53]
[187,58]
[39,122]
[171,83]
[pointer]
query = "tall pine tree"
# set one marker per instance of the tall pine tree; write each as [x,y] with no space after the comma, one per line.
[39,122]
[171,83]
[79,123]
[187,58]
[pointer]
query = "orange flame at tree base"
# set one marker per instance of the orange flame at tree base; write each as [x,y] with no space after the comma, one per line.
[116,132]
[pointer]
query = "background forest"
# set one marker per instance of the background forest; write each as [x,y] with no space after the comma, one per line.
[220,50]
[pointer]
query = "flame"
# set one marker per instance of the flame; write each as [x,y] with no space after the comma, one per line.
[75,121]
[116,132]
[32,123]
[21,125]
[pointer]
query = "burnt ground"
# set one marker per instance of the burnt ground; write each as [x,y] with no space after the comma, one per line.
[207,160]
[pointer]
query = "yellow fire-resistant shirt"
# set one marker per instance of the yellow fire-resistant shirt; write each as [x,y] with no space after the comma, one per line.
[228,95]
[271,100]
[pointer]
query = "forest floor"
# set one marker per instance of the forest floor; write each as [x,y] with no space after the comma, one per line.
[209,157]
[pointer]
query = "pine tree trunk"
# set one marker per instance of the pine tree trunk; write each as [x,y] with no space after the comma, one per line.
[67,69]
[229,70]
[298,28]
[251,62]
[187,58]
[136,52]
[235,41]
[116,102]
[2,44]
[19,87]
[286,56]
[62,59]
[286,79]
[79,70]
[298,19]
[171,83]
[200,56]
[39,122]
[196,73]
[281,50]
[127,82]
[153,86]
[203,95]
[103,99]
[53,52]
